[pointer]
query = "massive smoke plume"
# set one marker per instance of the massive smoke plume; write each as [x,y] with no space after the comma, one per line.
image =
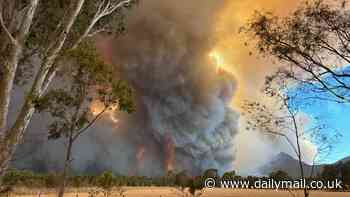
[185,103]
[182,121]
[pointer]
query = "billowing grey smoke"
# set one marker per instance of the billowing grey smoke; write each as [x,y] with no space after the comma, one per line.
[164,57]
[182,121]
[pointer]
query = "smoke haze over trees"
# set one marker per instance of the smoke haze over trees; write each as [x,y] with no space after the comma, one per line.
[183,118]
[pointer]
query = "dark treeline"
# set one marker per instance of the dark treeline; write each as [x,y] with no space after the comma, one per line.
[16,178]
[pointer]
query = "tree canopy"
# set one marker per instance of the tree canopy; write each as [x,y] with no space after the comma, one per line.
[313,45]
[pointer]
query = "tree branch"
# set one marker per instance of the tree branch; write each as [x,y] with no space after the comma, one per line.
[106,7]
[287,138]
[97,117]
[7,32]
[27,21]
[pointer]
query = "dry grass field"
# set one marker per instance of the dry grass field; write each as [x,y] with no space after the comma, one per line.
[172,192]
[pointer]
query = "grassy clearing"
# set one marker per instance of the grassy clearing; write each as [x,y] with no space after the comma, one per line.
[170,192]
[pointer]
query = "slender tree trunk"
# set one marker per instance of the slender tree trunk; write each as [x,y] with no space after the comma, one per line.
[306,193]
[71,140]
[8,67]
[8,70]
[66,166]
[85,34]
[11,51]
[15,134]
[313,167]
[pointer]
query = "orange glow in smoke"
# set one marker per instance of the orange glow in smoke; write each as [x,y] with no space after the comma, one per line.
[97,107]
[140,156]
[219,61]
[169,152]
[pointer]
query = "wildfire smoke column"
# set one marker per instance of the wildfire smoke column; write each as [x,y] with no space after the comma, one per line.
[182,101]
[169,152]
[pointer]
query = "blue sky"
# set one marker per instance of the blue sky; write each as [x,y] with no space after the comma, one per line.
[335,115]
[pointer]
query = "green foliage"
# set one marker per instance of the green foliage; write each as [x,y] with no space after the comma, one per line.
[86,79]
[14,177]
[182,179]
[113,24]
[51,180]
[229,175]
[59,104]
[47,24]
[87,59]
[93,72]
[106,180]
[279,175]
[109,181]
[29,179]
[260,117]
[211,173]
[195,185]
[122,93]
[51,13]
[312,40]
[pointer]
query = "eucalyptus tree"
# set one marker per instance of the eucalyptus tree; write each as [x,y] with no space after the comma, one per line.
[35,35]
[312,44]
[284,120]
[87,79]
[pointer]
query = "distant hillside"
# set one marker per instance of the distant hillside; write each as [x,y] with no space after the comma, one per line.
[346,159]
[290,165]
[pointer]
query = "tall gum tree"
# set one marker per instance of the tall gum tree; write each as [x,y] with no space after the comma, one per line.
[11,49]
[34,28]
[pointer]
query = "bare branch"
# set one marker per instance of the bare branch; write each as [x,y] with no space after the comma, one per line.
[287,138]
[94,33]
[97,117]
[115,5]
[7,32]
[106,7]
[27,21]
